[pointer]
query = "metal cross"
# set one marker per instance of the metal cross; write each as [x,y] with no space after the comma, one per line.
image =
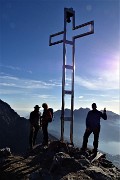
[68,14]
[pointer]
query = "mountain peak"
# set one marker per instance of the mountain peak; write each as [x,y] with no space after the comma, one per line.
[58,161]
[13,129]
[7,113]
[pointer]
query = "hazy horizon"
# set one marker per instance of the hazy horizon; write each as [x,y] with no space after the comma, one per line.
[27,113]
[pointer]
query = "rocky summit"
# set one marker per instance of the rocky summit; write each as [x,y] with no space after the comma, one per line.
[57,161]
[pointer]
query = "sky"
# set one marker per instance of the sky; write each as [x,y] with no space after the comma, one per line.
[31,70]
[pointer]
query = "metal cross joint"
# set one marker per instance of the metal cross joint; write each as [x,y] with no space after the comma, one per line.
[70,13]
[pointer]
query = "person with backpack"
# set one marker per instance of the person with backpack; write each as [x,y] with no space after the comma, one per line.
[93,126]
[34,119]
[46,118]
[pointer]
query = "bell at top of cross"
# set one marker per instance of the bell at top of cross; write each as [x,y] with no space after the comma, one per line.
[69,14]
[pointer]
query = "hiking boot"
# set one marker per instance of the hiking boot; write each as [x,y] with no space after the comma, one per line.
[34,143]
[45,143]
[83,149]
[94,151]
[31,148]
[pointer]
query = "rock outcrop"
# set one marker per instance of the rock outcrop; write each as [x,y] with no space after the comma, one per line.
[57,161]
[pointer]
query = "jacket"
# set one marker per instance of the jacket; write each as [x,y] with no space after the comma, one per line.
[93,119]
[46,115]
[35,118]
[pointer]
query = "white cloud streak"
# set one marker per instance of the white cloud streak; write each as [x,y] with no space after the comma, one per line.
[15,82]
[10,92]
[46,96]
[80,97]
[105,82]
[15,68]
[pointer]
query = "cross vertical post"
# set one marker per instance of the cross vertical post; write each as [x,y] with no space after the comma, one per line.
[68,14]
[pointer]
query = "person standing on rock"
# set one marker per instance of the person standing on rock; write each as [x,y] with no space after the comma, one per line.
[34,125]
[45,119]
[93,126]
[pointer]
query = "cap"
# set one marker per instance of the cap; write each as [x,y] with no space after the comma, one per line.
[94,105]
[36,106]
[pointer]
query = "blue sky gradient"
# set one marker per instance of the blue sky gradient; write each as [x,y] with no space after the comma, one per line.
[31,70]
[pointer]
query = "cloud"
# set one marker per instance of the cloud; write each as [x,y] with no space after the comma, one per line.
[15,68]
[15,82]
[55,82]
[5,77]
[100,95]
[10,91]
[22,83]
[84,82]
[103,82]
[80,97]
[45,96]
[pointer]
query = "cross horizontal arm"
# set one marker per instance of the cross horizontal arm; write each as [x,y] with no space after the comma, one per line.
[82,35]
[57,42]
[87,33]
[53,35]
[85,24]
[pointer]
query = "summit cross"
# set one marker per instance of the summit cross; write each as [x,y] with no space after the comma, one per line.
[69,14]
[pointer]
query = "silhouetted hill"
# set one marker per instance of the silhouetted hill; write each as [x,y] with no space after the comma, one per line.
[14,130]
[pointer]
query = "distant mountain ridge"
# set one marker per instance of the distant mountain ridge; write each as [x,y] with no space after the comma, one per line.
[81,113]
[14,126]
[111,125]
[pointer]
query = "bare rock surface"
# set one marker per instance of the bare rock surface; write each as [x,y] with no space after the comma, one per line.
[57,161]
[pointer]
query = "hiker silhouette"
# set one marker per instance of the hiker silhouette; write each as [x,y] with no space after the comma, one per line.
[93,126]
[34,125]
[45,120]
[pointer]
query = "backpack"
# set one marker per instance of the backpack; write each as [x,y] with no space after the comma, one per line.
[51,111]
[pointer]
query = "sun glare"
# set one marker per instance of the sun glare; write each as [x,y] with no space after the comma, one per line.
[114,66]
